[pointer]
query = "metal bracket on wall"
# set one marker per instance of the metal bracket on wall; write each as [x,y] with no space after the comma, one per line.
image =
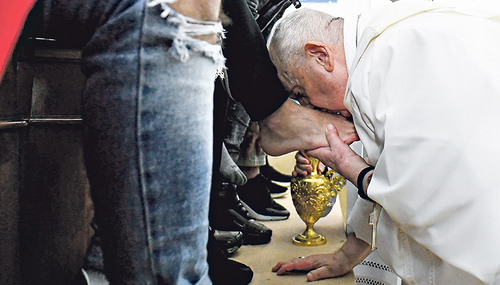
[51,120]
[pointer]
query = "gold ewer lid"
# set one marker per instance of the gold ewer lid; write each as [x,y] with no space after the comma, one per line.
[310,196]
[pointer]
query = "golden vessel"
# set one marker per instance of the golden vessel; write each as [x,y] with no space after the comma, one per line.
[310,196]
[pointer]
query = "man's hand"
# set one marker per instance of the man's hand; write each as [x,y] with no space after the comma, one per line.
[322,266]
[293,127]
[303,165]
[339,156]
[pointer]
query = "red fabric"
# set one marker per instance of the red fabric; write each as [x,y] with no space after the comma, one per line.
[12,16]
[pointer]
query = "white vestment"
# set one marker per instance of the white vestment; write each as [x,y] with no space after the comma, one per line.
[424,92]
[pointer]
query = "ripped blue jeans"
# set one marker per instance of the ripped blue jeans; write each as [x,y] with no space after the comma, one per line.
[148,113]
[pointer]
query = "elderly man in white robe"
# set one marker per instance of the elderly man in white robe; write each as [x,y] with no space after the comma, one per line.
[422,82]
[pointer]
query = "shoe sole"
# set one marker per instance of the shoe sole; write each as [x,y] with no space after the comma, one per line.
[279,195]
[231,250]
[261,217]
[284,184]
[96,278]
[251,235]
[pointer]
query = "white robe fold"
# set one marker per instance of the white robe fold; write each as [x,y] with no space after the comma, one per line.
[424,91]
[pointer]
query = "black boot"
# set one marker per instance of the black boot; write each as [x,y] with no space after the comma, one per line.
[228,241]
[224,271]
[228,214]
[255,195]
[273,174]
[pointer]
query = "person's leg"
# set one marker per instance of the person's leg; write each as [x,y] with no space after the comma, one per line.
[237,124]
[255,193]
[147,108]
[226,211]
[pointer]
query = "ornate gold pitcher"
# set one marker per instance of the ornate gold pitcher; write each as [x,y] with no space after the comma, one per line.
[310,196]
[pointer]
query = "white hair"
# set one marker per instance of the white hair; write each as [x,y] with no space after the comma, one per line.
[290,34]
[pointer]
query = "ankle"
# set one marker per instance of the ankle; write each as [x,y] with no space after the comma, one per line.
[250,171]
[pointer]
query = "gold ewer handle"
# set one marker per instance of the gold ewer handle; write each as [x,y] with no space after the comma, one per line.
[311,196]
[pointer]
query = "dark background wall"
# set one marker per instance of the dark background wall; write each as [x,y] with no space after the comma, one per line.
[45,205]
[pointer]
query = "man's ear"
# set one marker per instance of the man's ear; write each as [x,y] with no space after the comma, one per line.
[321,54]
